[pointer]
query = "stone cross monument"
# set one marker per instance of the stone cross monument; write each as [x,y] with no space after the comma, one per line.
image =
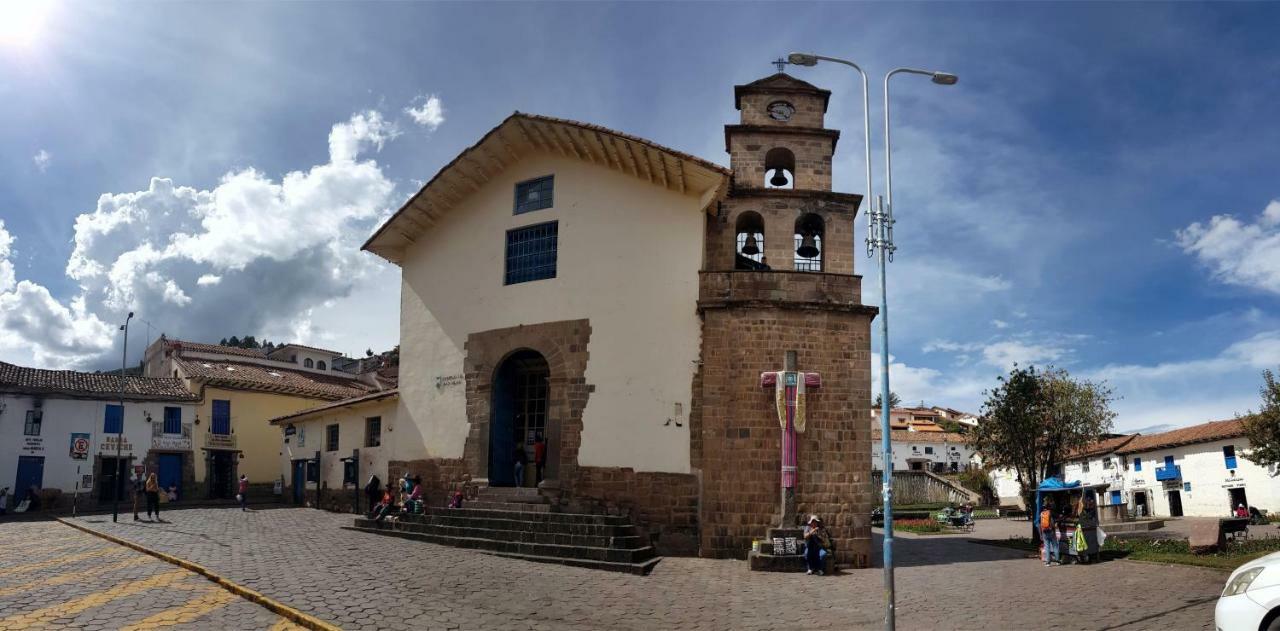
[789,386]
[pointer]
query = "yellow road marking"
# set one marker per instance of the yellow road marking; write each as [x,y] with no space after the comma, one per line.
[285,624]
[42,617]
[109,551]
[210,601]
[71,577]
[44,544]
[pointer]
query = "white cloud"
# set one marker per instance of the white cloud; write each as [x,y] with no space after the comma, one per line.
[251,256]
[1257,352]
[1236,252]
[1005,354]
[1000,324]
[915,384]
[365,129]
[42,159]
[947,346]
[429,114]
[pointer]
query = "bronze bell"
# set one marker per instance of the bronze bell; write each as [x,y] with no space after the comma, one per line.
[808,248]
[751,247]
[779,179]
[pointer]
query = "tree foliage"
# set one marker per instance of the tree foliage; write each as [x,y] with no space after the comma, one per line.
[1263,428]
[248,341]
[894,400]
[1033,419]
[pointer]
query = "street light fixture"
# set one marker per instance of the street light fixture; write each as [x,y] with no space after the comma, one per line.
[115,476]
[880,242]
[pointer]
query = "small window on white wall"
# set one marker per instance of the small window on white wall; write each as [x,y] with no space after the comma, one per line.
[320,365]
[307,363]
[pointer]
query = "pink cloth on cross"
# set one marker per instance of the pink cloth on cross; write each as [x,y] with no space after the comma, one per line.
[790,442]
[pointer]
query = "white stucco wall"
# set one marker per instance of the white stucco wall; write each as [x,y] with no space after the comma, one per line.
[906,451]
[1204,467]
[62,417]
[309,438]
[628,259]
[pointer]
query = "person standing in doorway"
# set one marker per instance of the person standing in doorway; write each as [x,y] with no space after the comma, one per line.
[152,489]
[242,491]
[520,458]
[539,456]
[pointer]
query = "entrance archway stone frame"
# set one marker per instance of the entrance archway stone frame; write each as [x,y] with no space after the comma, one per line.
[563,345]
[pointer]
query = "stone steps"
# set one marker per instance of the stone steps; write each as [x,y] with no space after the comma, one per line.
[629,541]
[521,506]
[446,519]
[525,516]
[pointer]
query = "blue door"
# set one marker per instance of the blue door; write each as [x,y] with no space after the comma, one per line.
[1115,497]
[30,473]
[299,480]
[170,473]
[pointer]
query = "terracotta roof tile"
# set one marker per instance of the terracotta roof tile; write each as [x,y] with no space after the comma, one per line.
[1104,446]
[310,348]
[272,379]
[75,383]
[197,347]
[903,436]
[336,404]
[1202,433]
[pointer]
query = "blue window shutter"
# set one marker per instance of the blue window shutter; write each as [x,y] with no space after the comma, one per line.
[1168,461]
[114,420]
[221,416]
[173,420]
[1229,456]
[1137,464]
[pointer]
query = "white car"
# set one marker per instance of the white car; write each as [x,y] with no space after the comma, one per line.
[1251,600]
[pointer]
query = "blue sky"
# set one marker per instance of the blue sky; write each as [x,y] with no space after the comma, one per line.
[1097,192]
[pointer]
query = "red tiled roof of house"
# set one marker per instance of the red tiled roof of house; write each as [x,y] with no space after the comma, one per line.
[236,375]
[1104,446]
[310,348]
[367,398]
[216,348]
[74,383]
[1202,433]
[904,436]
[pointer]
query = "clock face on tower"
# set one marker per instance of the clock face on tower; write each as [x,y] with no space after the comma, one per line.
[781,111]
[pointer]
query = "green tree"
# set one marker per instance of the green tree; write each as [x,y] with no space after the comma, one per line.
[248,342]
[894,401]
[223,342]
[1263,428]
[1032,419]
[234,341]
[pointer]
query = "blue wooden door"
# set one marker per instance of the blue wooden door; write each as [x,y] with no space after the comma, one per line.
[1115,497]
[170,473]
[299,480]
[30,473]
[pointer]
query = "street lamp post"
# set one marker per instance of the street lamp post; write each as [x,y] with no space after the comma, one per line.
[880,242]
[115,477]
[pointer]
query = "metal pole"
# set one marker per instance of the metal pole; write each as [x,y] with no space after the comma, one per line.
[115,476]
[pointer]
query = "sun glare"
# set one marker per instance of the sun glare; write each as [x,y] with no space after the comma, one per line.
[22,21]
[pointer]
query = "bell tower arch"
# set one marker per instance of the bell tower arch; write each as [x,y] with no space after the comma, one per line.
[778,279]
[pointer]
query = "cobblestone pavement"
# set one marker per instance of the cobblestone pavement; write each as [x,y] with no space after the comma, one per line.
[56,577]
[365,581]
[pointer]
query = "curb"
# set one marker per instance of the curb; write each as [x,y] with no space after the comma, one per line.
[277,607]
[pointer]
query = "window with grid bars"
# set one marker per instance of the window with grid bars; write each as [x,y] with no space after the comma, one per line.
[221,417]
[34,420]
[331,438]
[531,252]
[172,420]
[534,194]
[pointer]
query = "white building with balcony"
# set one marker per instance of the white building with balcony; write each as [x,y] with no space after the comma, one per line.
[938,452]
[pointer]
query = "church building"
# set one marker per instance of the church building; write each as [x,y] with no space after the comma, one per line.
[688,340]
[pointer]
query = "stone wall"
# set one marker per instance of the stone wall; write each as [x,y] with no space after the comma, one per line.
[663,504]
[812,147]
[779,209]
[439,476]
[737,437]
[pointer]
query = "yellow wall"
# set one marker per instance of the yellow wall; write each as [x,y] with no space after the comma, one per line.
[258,439]
[628,258]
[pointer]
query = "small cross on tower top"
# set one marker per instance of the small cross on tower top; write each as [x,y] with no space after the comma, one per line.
[780,62]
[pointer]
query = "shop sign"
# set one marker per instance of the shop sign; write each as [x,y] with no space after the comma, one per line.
[86,482]
[79,446]
[444,381]
[220,441]
[1172,484]
[109,443]
[32,445]
[1139,482]
[1233,482]
[174,442]
[290,430]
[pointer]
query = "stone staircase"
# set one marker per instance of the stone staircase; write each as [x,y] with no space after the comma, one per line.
[520,524]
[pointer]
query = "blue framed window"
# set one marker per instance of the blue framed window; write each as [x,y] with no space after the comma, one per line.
[1168,461]
[531,253]
[113,422]
[221,417]
[172,420]
[534,194]
[1229,456]
[1137,464]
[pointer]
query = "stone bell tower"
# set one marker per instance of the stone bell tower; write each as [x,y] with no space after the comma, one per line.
[778,292]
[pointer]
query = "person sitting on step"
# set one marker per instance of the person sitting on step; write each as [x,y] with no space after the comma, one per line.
[387,505]
[817,545]
[413,502]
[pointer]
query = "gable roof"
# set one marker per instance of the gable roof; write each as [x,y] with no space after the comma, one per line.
[904,436]
[779,83]
[198,347]
[244,376]
[73,383]
[304,347]
[368,398]
[1104,446]
[521,134]
[1202,433]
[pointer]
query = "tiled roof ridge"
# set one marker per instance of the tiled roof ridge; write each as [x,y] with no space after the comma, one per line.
[1190,435]
[285,380]
[76,382]
[364,398]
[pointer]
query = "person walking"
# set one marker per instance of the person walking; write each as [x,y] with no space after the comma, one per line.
[539,456]
[136,482]
[242,491]
[152,489]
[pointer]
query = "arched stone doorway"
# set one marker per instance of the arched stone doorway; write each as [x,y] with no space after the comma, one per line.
[518,415]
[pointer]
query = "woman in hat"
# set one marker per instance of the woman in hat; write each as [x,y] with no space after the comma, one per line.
[817,544]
